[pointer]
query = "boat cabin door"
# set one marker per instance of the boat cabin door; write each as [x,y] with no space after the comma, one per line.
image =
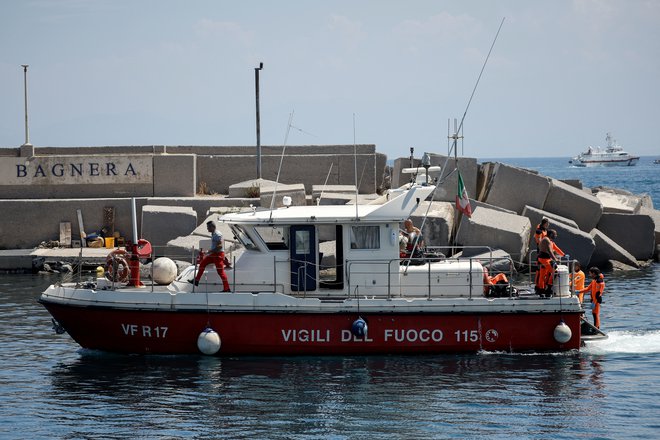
[303,257]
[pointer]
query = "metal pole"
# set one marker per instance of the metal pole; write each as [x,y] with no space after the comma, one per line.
[27,132]
[256,88]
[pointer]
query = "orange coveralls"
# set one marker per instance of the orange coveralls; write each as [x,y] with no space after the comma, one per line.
[597,289]
[577,278]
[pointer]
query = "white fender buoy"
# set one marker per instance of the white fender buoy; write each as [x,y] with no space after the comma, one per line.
[562,333]
[164,270]
[209,341]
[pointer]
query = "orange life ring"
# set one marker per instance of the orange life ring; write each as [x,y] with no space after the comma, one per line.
[116,266]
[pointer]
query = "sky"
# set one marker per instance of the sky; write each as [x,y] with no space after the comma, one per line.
[391,73]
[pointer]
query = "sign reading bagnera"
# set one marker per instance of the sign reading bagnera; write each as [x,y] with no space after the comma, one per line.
[76,170]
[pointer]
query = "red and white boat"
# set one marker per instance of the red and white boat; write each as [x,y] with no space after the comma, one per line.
[284,303]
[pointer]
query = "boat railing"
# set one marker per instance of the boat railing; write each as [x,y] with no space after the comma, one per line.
[384,270]
[533,269]
[378,278]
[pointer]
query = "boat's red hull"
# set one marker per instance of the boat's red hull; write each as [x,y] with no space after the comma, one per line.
[128,331]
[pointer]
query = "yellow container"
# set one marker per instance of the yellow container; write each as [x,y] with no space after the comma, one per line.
[109,242]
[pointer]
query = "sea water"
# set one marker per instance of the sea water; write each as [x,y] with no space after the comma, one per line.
[52,389]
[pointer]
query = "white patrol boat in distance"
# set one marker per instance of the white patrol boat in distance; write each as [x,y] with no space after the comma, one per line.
[612,155]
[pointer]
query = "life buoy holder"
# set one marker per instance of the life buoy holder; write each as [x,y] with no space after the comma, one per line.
[116,266]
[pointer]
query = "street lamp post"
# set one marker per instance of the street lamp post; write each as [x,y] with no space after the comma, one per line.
[256,88]
[27,132]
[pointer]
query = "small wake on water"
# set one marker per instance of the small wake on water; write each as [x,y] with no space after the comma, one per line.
[626,342]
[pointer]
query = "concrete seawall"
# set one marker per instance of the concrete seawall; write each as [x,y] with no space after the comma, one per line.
[169,203]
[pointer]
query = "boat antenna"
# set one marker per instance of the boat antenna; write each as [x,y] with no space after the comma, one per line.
[318,201]
[460,127]
[279,169]
[455,136]
[355,169]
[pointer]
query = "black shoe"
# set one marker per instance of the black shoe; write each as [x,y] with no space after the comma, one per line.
[227,290]
[195,282]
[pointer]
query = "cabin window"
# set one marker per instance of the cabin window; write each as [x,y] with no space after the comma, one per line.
[365,237]
[275,237]
[303,244]
[241,235]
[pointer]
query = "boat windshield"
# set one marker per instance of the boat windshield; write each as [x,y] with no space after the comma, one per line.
[242,236]
[275,237]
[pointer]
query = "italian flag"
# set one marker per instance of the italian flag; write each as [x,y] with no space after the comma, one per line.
[462,200]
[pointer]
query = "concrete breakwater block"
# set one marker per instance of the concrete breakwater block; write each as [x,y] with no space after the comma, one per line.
[570,239]
[475,204]
[325,190]
[607,249]
[250,188]
[446,190]
[334,199]
[633,232]
[536,215]
[568,201]
[514,188]
[622,202]
[161,224]
[182,248]
[509,232]
[495,260]
[655,215]
[183,166]
[437,229]
[296,192]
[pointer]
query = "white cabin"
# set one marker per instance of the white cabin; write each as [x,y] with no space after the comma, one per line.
[282,253]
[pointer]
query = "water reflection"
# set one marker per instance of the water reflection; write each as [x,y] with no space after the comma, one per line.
[87,394]
[312,393]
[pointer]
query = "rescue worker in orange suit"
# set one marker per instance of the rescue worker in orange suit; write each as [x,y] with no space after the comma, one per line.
[597,289]
[577,280]
[541,231]
[500,278]
[547,261]
[216,256]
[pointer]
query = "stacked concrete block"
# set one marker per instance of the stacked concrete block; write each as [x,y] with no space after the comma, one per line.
[448,186]
[536,215]
[475,204]
[338,195]
[161,224]
[575,183]
[633,232]
[334,199]
[619,202]
[438,226]
[514,188]
[608,250]
[500,230]
[646,201]
[295,192]
[495,260]
[325,190]
[175,175]
[311,165]
[17,233]
[570,202]
[570,239]
[655,215]
[250,188]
